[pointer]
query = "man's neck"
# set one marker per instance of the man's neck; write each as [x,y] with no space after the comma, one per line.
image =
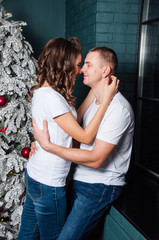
[98,92]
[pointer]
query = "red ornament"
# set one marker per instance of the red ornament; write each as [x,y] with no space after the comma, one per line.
[1,209]
[3,101]
[3,130]
[25,152]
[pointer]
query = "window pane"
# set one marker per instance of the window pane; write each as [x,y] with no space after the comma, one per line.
[151,10]
[149,62]
[149,142]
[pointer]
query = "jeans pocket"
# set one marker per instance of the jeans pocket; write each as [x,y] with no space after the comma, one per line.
[34,189]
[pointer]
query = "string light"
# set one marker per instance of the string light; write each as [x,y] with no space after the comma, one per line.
[12,172]
[9,14]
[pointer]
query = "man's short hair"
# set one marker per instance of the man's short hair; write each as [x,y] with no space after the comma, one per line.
[108,56]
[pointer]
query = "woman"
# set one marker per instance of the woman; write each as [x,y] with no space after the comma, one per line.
[44,210]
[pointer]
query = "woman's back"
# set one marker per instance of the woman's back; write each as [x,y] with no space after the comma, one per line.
[45,167]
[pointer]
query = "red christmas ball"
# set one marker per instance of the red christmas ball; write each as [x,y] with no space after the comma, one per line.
[3,130]
[3,101]
[25,152]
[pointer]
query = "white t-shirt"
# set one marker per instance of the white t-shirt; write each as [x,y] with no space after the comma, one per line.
[46,167]
[117,127]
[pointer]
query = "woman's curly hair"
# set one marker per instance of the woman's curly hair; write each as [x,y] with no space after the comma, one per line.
[56,66]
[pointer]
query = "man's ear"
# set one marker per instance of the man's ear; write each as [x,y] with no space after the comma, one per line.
[106,71]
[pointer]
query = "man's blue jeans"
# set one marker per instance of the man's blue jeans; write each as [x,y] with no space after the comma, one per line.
[89,202]
[44,211]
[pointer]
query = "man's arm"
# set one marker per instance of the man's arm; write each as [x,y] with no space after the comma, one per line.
[94,158]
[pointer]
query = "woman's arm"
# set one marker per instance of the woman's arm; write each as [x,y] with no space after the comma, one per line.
[42,138]
[84,106]
[87,135]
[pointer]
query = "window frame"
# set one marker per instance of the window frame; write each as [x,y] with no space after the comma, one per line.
[140,99]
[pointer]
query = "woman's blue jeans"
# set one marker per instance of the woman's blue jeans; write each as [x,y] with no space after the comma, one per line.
[88,202]
[44,211]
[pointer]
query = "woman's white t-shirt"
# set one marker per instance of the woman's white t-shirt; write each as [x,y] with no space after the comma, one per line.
[46,167]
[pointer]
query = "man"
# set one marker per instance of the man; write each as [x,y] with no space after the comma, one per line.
[100,175]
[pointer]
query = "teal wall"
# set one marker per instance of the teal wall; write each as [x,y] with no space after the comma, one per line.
[113,23]
[116,227]
[117,27]
[45,20]
[81,22]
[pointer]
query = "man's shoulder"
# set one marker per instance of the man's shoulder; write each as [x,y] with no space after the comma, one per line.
[120,102]
[119,111]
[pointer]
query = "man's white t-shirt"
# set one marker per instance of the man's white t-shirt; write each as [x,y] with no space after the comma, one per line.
[117,128]
[46,167]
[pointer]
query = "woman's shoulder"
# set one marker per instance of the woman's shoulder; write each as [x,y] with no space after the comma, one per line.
[48,92]
[50,98]
[56,95]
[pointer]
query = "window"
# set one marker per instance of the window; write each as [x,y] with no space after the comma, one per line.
[147,121]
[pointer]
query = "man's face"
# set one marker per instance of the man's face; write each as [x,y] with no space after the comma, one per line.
[92,69]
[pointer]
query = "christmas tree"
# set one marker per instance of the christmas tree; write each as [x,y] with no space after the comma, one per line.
[17,75]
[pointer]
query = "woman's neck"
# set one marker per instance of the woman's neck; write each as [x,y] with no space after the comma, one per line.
[45,84]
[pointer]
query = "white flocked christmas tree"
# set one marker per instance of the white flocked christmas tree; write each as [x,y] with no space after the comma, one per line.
[17,75]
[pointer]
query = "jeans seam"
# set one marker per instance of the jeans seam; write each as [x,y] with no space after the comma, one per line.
[92,213]
[55,196]
[86,225]
[88,220]
[112,195]
[102,196]
[33,232]
[95,208]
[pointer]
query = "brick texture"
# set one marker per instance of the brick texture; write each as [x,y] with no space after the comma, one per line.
[111,23]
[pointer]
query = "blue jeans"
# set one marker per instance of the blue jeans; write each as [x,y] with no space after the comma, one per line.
[44,211]
[89,202]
